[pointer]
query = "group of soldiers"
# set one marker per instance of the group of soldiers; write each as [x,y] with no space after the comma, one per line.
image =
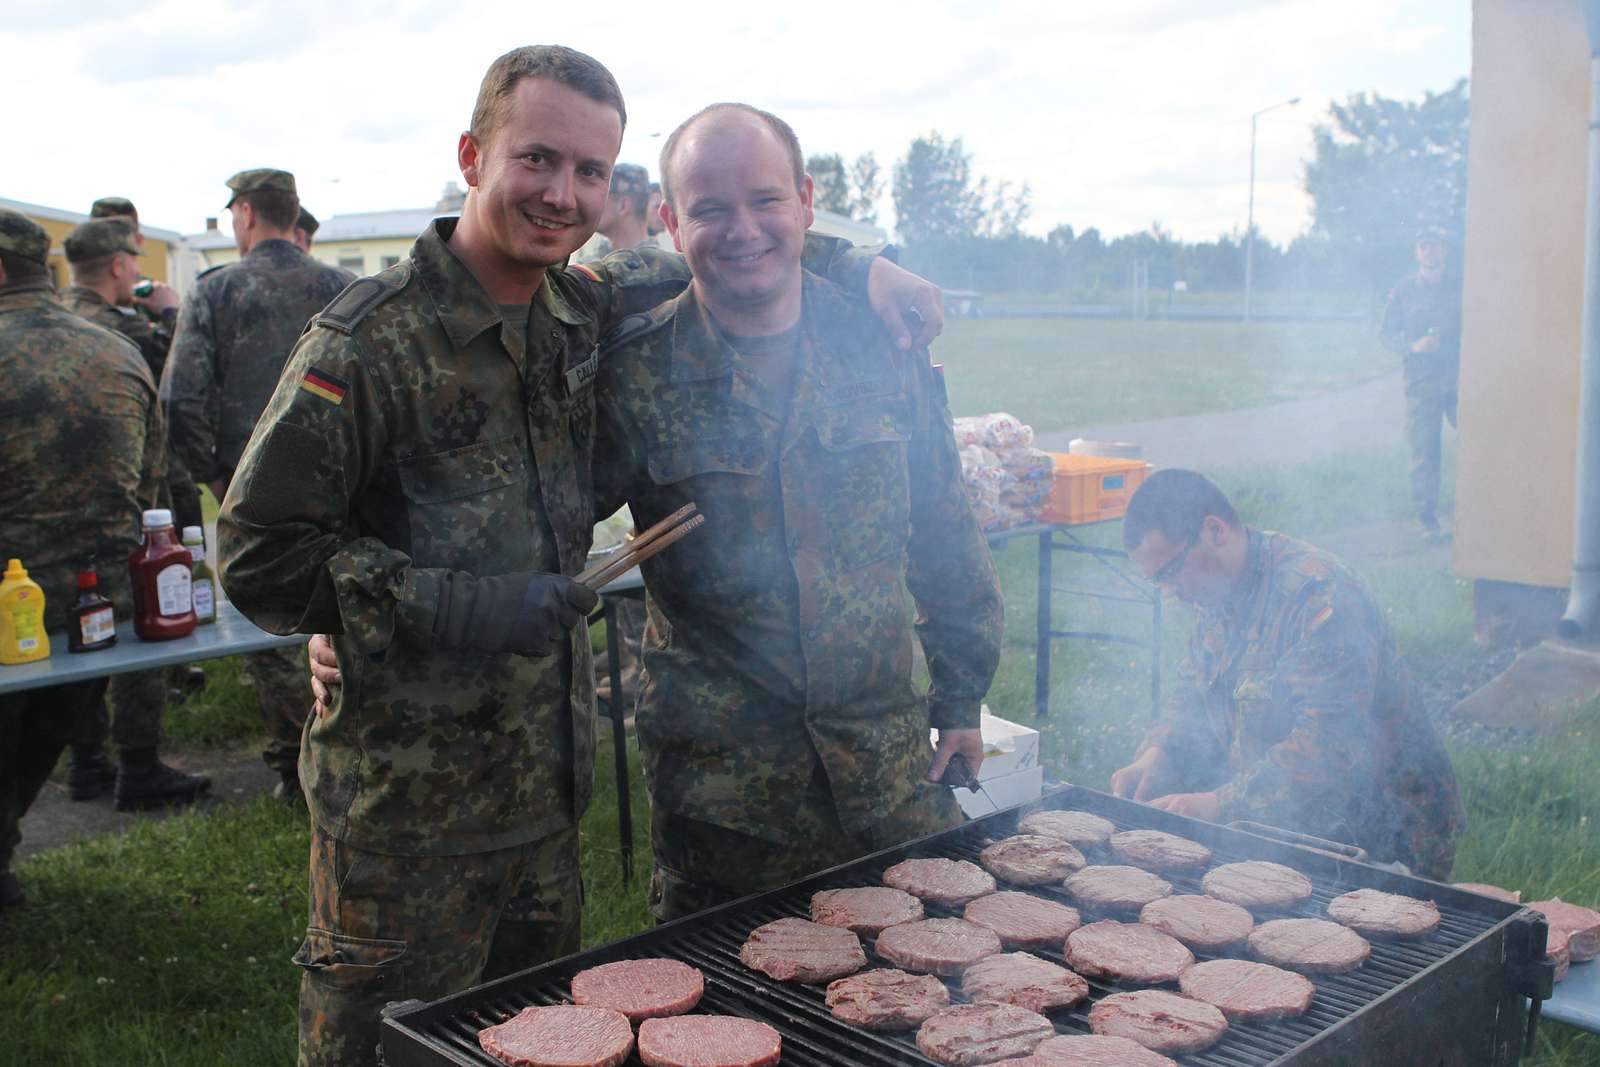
[411,465]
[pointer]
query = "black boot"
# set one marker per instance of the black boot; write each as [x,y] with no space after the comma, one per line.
[143,781]
[89,772]
[11,893]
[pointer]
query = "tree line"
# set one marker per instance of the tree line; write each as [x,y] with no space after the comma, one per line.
[1381,169]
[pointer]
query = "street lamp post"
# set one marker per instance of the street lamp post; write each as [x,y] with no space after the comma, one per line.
[1250,216]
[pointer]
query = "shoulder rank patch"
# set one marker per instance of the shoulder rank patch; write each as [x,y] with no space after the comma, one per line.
[327,386]
[354,304]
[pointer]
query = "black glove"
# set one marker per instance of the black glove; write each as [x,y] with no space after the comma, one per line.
[529,613]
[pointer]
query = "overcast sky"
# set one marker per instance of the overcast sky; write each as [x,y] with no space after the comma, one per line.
[1115,112]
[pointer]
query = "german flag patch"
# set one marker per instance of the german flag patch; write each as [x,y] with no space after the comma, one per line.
[321,383]
[587,271]
[1321,617]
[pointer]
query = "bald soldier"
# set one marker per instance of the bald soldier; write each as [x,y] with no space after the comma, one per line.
[234,336]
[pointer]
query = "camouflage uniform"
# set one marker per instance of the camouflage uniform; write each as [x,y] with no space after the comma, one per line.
[80,458]
[417,431]
[234,336]
[1415,309]
[1300,694]
[779,725]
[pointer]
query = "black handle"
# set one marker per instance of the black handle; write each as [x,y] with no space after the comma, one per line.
[958,775]
[1291,837]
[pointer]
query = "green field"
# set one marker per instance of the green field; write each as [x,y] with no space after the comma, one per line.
[170,944]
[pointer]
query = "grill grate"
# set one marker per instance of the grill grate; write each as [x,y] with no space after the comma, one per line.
[813,1038]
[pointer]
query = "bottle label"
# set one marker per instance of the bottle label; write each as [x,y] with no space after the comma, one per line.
[27,628]
[172,590]
[205,605]
[98,625]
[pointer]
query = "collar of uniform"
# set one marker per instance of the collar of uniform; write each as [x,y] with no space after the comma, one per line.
[83,292]
[27,295]
[699,351]
[465,307]
[275,248]
[847,364]
[1255,568]
[557,304]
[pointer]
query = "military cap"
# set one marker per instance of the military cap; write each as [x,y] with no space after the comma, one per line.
[99,238]
[307,222]
[1432,235]
[21,236]
[110,207]
[630,179]
[262,180]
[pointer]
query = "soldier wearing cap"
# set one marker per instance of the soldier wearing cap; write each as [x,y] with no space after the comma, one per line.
[103,256]
[1422,325]
[233,338]
[623,223]
[305,228]
[80,457]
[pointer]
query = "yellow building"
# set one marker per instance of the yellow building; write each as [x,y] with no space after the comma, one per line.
[163,249]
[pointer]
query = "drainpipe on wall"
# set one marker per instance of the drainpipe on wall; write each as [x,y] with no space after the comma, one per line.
[1582,620]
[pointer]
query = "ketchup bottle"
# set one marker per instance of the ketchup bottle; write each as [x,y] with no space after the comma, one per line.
[163,604]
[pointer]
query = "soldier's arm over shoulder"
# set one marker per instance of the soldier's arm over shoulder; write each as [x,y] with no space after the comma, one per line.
[189,389]
[960,611]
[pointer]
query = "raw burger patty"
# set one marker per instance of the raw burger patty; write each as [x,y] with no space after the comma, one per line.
[886,1000]
[1030,859]
[1556,948]
[1116,888]
[1159,1020]
[1246,991]
[941,881]
[640,989]
[560,1035]
[936,946]
[1023,920]
[1310,946]
[1024,980]
[1094,1050]
[708,1041]
[1157,850]
[1127,952]
[865,910]
[1387,915]
[1203,923]
[794,950]
[1257,884]
[1580,924]
[1510,896]
[1078,827]
[982,1033]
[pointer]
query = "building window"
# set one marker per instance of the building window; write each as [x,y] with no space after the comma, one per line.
[352,262]
[390,261]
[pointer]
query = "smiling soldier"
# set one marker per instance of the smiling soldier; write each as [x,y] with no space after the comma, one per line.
[419,487]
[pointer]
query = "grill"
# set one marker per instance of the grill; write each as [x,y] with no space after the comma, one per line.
[1453,999]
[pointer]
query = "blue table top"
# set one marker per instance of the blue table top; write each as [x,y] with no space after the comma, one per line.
[1576,1000]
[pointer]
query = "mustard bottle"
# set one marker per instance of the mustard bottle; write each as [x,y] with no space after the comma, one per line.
[22,636]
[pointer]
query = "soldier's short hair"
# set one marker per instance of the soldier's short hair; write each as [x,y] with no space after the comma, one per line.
[565,66]
[90,270]
[783,131]
[277,209]
[1175,502]
[21,268]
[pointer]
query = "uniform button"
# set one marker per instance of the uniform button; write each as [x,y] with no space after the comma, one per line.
[555,335]
[506,466]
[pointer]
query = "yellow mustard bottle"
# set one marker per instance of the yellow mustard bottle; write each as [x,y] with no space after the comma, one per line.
[22,636]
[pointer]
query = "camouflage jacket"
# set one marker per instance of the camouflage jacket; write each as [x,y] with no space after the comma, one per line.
[153,338]
[1415,307]
[80,448]
[1299,692]
[234,334]
[781,637]
[415,432]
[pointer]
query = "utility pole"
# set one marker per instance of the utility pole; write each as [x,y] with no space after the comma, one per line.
[1250,215]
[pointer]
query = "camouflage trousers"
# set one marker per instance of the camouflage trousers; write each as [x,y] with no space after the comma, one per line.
[35,725]
[1430,399]
[282,681]
[699,865]
[385,928]
[134,721]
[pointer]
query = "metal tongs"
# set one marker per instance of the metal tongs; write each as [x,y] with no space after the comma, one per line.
[958,775]
[673,528]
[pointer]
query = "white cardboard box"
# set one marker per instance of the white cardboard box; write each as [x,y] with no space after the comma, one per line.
[1002,792]
[1011,773]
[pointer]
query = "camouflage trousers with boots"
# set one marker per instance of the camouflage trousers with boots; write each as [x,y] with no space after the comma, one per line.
[699,865]
[1430,402]
[385,928]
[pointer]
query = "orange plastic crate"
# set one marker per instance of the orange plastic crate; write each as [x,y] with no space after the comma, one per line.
[1091,488]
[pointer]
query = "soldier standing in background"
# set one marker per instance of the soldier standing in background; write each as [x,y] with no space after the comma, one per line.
[80,458]
[305,230]
[1422,325]
[781,730]
[103,256]
[233,338]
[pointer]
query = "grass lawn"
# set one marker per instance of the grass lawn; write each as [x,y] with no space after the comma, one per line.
[171,944]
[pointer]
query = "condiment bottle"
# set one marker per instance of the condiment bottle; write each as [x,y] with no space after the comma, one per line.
[91,623]
[204,588]
[22,636]
[163,605]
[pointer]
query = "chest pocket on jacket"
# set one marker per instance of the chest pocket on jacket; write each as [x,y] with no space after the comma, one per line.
[1261,721]
[865,478]
[464,502]
[682,460]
